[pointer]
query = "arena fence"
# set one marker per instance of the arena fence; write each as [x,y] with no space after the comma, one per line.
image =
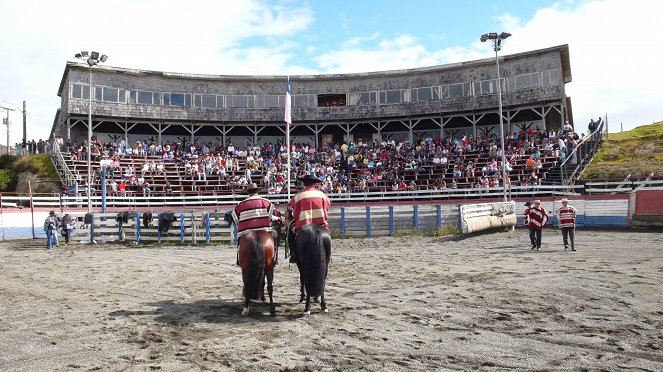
[198,200]
[209,226]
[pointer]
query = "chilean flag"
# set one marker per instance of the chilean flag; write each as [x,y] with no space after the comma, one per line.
[288,106]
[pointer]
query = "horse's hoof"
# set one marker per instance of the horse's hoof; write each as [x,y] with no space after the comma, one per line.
[262,299]
[307,312]
[245,311]
[316,299]
[325,310]
[272,312]
[301,299]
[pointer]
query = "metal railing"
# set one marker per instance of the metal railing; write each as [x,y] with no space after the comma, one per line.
[66,176]
[583,157]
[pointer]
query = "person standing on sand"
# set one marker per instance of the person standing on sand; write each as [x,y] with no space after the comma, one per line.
[66,227]
[49,228]
[538,219]
[528,225]
[566,218]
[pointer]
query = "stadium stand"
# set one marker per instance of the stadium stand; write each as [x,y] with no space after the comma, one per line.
[429,163]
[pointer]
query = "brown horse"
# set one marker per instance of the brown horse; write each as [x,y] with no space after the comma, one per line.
[256,258]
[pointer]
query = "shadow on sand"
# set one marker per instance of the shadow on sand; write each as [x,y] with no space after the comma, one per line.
[212,311]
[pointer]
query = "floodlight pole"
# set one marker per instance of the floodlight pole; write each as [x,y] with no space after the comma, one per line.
[24,112]
[7,109]
[91,60]
[497,45]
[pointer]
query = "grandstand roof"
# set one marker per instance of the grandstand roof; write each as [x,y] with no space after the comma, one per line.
[563,49]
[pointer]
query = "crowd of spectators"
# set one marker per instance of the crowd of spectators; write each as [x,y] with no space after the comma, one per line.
[428,163]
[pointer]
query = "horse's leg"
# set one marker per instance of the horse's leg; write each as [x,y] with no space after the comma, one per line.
[246,308]
[302,292]
[262,290]
[307,307]
[323,304]
[270,290]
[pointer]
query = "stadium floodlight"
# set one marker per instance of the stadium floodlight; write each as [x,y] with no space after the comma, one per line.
[497,46]
[92,60]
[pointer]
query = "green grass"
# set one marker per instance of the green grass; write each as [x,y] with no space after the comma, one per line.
[638,152]
[40,165]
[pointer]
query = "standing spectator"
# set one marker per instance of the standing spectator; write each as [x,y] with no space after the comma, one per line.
[566,217]
[49,228]
[526,221]
[538,219]
[66,227]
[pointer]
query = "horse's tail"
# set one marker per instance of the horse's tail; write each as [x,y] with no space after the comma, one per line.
[255,272]
[316,264]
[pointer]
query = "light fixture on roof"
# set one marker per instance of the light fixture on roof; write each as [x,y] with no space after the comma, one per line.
[92,59]
[497,45]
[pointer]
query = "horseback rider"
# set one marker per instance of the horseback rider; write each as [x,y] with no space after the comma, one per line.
[252,213]
[309,206]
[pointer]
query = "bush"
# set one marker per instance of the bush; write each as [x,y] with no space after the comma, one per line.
[8,179]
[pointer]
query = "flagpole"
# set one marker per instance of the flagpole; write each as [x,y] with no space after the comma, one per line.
[288,119]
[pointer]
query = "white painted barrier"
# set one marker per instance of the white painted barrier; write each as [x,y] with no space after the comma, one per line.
[483,216]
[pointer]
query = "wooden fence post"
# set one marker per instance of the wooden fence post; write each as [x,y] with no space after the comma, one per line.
[416,218]
[439,216]
[137,227]
[391,221]
[368,222]
[208,238]
[182,228]
[343,222]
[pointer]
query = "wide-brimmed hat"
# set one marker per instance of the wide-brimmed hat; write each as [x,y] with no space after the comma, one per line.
[309,178]
[527,204]
[51,212]
[252,187]
[537,201]
[565,200]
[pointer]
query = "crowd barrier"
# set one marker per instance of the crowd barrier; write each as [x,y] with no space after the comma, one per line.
[209,227]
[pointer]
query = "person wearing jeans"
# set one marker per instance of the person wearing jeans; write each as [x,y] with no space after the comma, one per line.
[49,228]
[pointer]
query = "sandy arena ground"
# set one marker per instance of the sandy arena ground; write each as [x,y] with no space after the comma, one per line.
[411,303]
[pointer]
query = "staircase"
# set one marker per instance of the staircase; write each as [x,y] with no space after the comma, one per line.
[568,173]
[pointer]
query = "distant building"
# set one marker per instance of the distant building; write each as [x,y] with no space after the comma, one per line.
[449,100]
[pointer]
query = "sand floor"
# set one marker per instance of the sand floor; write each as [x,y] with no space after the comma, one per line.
[409,303]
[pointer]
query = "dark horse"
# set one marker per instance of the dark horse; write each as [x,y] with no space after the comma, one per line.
[256,258]
[313,253]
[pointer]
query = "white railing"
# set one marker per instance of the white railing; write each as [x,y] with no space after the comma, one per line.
[135,201]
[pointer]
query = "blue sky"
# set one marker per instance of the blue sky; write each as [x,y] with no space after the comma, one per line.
[615,58]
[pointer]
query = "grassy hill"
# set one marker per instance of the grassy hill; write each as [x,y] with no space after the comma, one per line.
[11,167]
[638,152]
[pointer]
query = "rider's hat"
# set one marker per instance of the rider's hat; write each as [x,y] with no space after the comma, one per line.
[309,178]
[252,188]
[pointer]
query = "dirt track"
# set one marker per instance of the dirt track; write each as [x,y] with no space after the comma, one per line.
[407,303]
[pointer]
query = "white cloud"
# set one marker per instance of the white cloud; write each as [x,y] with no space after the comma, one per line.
[615,51]
[214,37]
